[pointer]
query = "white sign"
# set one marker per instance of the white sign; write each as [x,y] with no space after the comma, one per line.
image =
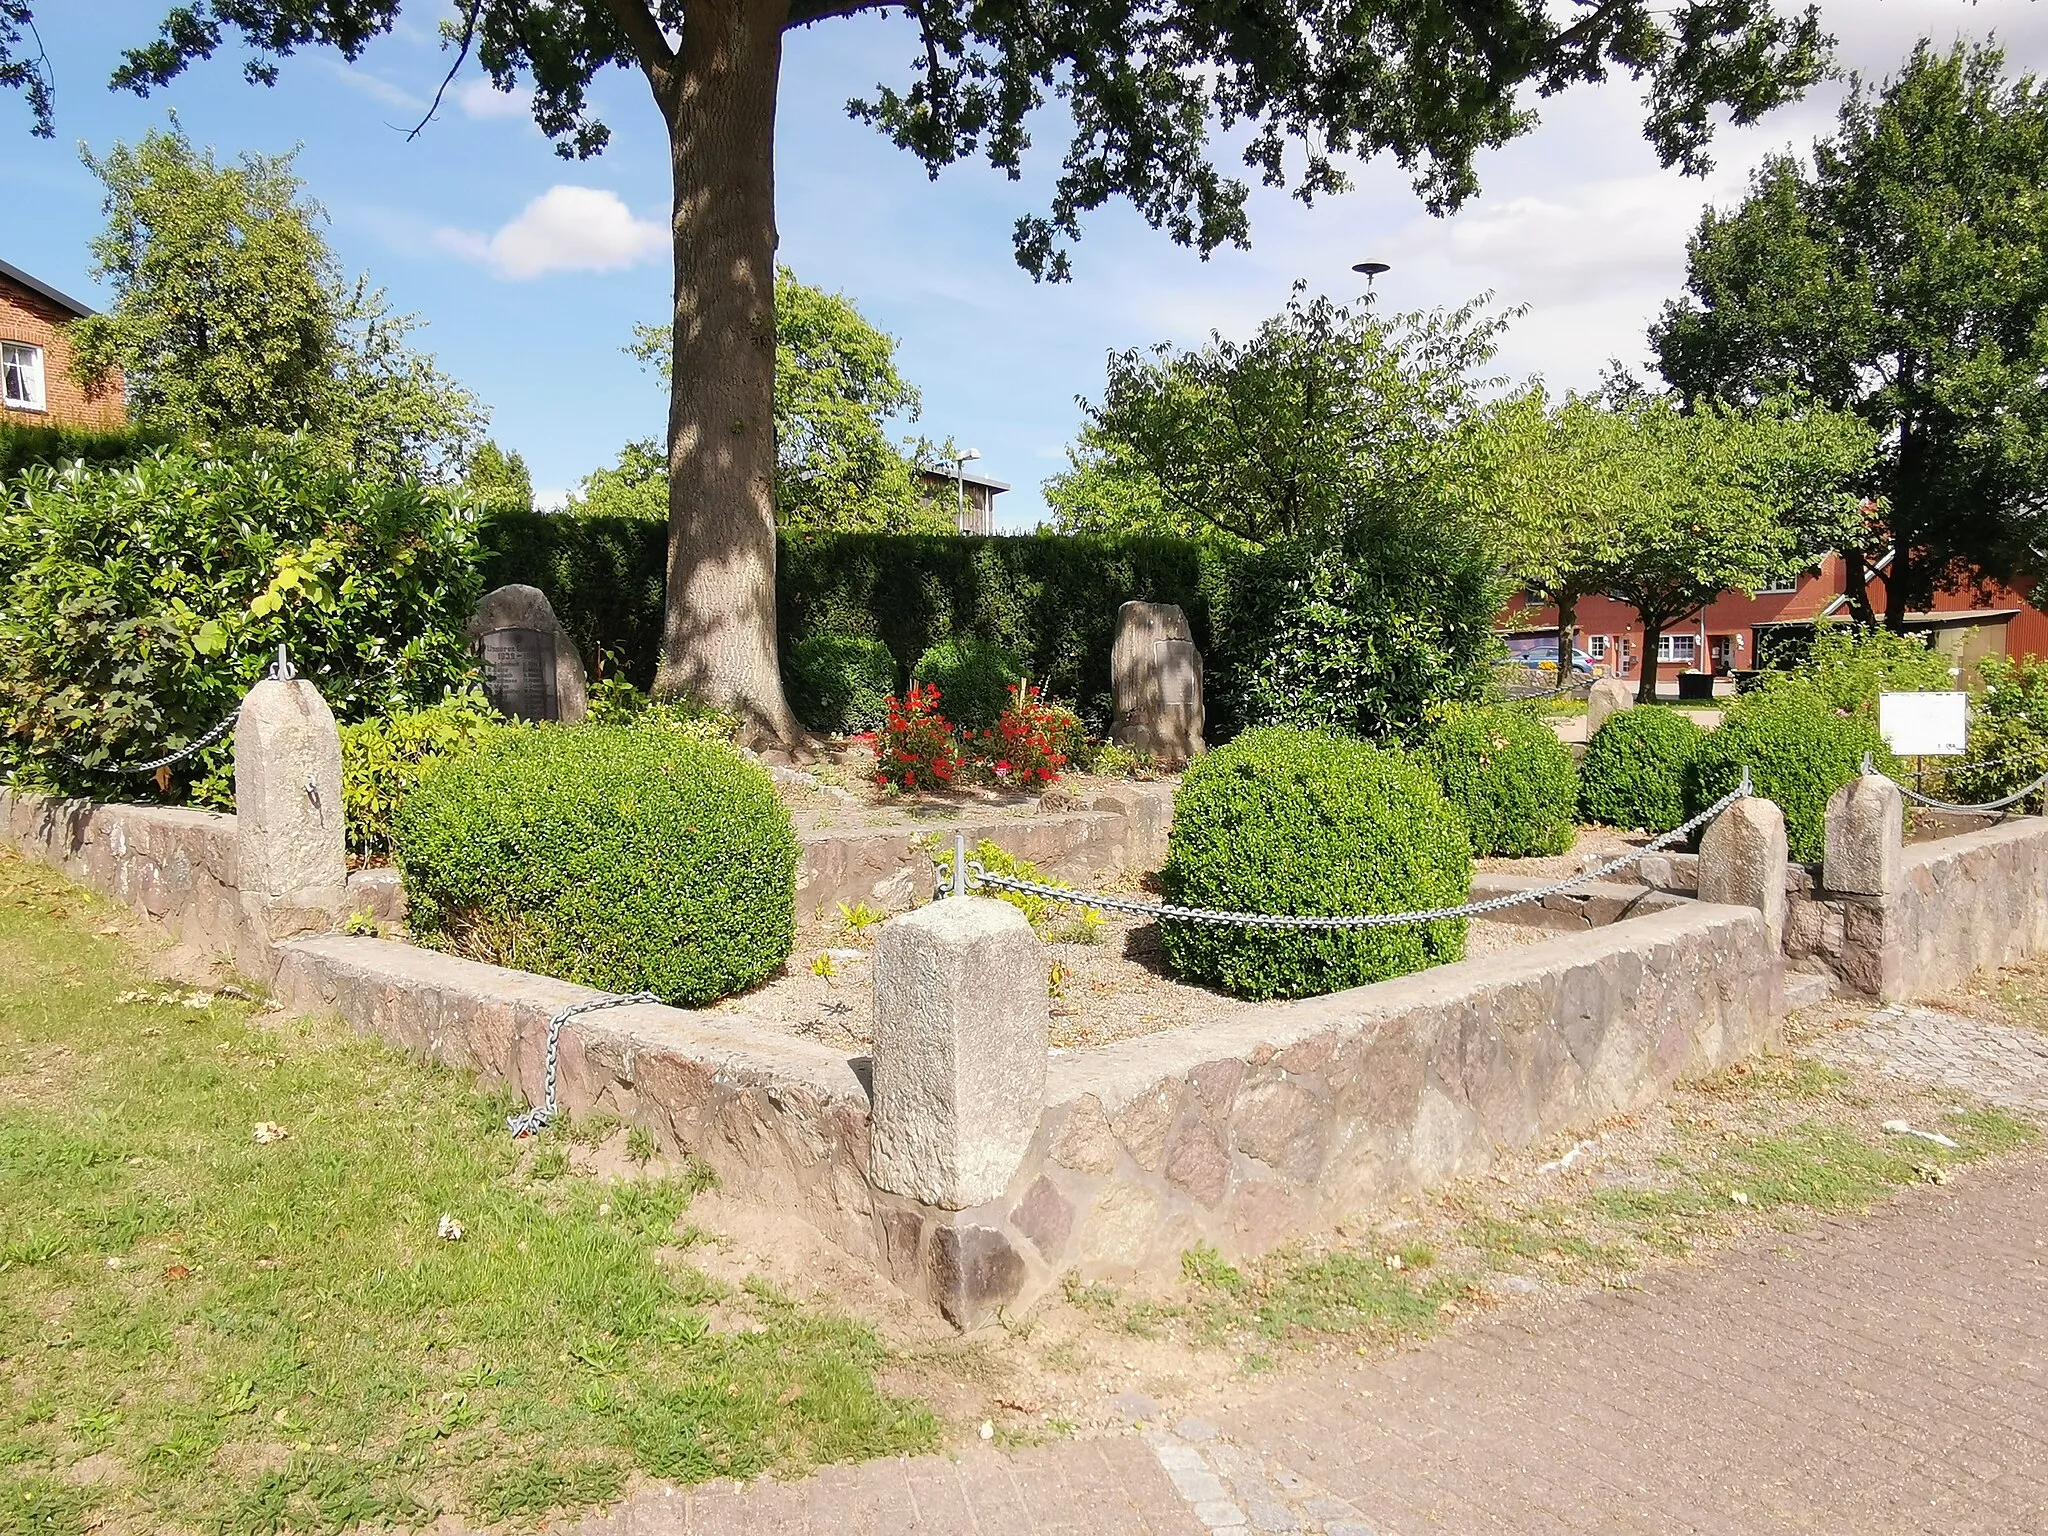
[1924,724]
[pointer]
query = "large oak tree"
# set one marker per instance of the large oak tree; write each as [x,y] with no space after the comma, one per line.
[1142,86]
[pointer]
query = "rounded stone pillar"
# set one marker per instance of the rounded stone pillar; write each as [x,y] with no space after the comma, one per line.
[290,860]
[1743,861]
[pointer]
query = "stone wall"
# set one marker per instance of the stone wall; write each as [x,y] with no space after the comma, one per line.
[175,864]
[1121,828]
[1291,1116]
[1960,904]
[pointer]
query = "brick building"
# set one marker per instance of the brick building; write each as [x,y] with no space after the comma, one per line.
[1729,633]
[38,386]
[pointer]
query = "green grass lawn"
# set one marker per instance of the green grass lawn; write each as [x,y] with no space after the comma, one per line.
[201,1331]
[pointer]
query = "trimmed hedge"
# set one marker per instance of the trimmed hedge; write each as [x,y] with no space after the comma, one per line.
[1298,822]
[1510,778]
[631,858]
[1798,750]
[24,447]
[1634,772]
[1050,600]
[974,681]
[839,683]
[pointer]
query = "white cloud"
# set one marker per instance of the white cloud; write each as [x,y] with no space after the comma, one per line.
[481,100]
[565,229]
[374,86]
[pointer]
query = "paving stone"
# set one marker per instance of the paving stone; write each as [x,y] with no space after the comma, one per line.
[1195,1429]
[1134,1406]
[1197,1487]
[1271,1517]
[1219,1514]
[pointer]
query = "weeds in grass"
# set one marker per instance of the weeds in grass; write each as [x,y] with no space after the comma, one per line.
[261,1336]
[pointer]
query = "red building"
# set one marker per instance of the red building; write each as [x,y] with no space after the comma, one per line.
[1729,633]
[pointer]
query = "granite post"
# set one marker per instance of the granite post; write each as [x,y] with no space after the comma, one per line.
[290,860]
[1608,697]
[1155,675]
[1743,861]
[1864,837]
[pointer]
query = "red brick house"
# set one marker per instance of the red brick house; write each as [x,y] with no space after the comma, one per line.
[37,384]
[1727,635]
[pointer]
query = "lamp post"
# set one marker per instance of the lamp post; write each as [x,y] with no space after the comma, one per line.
[1370,270]
[960,487]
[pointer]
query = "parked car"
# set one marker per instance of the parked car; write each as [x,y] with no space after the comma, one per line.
[1541,651]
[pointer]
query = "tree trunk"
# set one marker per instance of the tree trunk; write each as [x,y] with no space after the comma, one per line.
[1567,628]
[1898,577]
[718,640]
[1856,586]
[1653,631]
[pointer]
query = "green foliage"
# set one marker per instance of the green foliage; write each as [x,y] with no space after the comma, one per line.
[628,858]
[636,487]
[1294,822]
[836,391]
[1849,667]
[138,604]
[1509,776]
[1104,491]
[383,759]
[23,446]
[495,480]
[998,860]
[232,319]
[1895,272]
[1635,767]
[2008,746]
[974,680]
[839,683]
[1799,750]
[1362,643]
[1281,438]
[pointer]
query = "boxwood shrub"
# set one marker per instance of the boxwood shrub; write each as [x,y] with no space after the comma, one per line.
[1634,772]
[1509,776]
[974,681]
[632,858]
[839,683]
[1799,751]
[1281,820]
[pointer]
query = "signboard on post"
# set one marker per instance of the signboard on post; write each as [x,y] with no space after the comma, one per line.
[1924,724]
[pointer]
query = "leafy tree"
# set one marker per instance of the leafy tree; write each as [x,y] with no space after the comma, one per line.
[636,486]
[1280,437]
[232,319]
[1102,490]
[836,390]
[1143,82]
[496,480]
[1900,276]
[1713,499]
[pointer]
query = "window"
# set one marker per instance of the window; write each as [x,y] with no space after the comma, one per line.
[1677,647]
[21,370]
[1596,647]
[1789,584]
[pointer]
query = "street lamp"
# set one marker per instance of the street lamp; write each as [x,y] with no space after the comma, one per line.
[960,487]
[1370,270]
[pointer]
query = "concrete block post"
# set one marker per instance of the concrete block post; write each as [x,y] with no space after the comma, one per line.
[1609,696]
[1864,837]
[1743,861]
[959,1054]
[290,861]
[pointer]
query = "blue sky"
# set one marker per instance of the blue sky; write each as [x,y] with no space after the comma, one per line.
[532,270]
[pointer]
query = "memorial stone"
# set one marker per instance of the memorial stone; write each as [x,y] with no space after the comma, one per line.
[532,669]
[1156,677]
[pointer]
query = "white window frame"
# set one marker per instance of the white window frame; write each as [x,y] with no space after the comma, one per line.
[1782,588]
[23,360]
[1596,647]
[1668,649]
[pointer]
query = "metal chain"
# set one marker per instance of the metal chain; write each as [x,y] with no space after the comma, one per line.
[537,1119]
[279,671]
[1983,808]
[976,875]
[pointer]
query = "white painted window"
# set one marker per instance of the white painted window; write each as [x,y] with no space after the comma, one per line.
[21,369]
[1677,647]
[1596,647]
[1789,584]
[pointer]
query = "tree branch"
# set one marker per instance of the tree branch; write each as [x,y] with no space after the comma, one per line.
[803,14]
[644,33]
[469,15]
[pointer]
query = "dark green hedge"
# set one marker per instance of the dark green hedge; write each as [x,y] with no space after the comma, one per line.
[1048,599]
[22,447]
[1509,776]
[632,858]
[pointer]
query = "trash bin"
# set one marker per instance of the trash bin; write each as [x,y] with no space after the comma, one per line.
[1695,685]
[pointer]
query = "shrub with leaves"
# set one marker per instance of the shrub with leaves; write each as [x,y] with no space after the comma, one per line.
[917,747]
[1799,750]
[839,683]
[1026,746]
[138,603]
[976,679]
[1297,822]
[383,759]
[1509,777]
[1850,667]
[2008,746]
[631,858]
[1634,772]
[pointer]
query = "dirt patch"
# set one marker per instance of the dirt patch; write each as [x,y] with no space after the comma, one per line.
[838,794]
